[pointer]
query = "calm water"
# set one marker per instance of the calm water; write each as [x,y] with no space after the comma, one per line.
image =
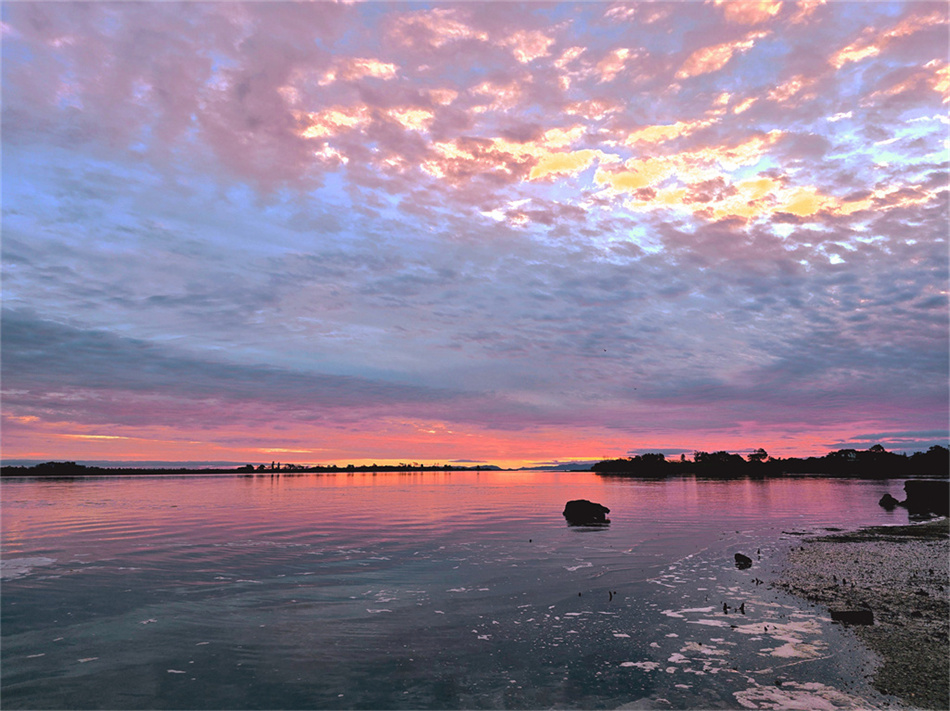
[432,590]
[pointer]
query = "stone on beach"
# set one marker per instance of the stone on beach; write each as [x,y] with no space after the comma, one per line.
[581,512]
[853,617]
[743,561]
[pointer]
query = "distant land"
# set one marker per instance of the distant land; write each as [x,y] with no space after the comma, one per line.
[876,463]
[67,469]
[873,463]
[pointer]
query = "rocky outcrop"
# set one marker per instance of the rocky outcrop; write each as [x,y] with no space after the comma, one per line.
[927,496]
[889,502]
[582,512]
[924,496]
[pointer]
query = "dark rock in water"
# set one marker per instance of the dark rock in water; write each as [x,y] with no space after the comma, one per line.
[853,617]
[928,496]
[582,512]
[743,561]
[888,502]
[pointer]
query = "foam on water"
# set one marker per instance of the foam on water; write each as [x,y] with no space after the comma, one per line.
[18,567]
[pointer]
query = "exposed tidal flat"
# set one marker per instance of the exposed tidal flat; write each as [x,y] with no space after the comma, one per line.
[898,574]
[438,590]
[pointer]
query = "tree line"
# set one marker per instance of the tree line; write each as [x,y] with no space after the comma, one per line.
[873,463]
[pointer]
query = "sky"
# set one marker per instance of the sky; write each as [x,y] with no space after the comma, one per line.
[516,234]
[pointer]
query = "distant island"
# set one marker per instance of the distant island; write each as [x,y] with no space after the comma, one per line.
[873,463]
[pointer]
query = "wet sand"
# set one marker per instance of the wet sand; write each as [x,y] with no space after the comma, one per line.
[900,574]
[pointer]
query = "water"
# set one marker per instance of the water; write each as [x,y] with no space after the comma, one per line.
[421,590]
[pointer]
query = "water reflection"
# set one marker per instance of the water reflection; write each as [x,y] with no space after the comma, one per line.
[404,590]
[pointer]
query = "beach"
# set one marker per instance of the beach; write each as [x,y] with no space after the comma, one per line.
[900,574]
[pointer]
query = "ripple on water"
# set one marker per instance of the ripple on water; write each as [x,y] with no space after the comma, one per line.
[18,567]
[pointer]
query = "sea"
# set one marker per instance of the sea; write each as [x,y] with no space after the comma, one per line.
[422,590]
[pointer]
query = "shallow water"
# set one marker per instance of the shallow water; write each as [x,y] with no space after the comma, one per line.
[422,590]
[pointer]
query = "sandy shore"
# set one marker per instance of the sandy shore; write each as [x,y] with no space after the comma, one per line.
[900,574]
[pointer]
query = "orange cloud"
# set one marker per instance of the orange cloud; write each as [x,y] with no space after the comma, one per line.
[710,59]
[359,67]
[661,133]
[744,106]
[805,202]
[749,199]
[332,121]
[412,119]
[683,180]
[936,78]
[749,12]
[529,160]
[941,79]
[639,174]
[567,163]
[870,47]
[793,86]
[854,52]
[754,198]
[687,167]
[328,122]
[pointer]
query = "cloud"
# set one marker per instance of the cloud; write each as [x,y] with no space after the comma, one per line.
[497,218]
[435,27]
[351,68]
[908,441]
[872,43]
[528,45]
[68,372]
[749,12]
[715,57]
[613,63]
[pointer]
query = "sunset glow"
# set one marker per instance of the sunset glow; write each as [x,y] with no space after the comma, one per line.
[472,233]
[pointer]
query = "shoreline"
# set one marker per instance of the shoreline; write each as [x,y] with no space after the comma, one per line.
[900,574]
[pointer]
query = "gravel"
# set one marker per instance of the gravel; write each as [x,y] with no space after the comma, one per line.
[901,574]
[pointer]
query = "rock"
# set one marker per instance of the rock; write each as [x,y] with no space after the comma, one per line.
[582,512]
[853,617]
[743,561]
[928,496]
[888,502]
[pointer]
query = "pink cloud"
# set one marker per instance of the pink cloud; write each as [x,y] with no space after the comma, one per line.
[873,42]
[614,63]
[528,45]
[715,57]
